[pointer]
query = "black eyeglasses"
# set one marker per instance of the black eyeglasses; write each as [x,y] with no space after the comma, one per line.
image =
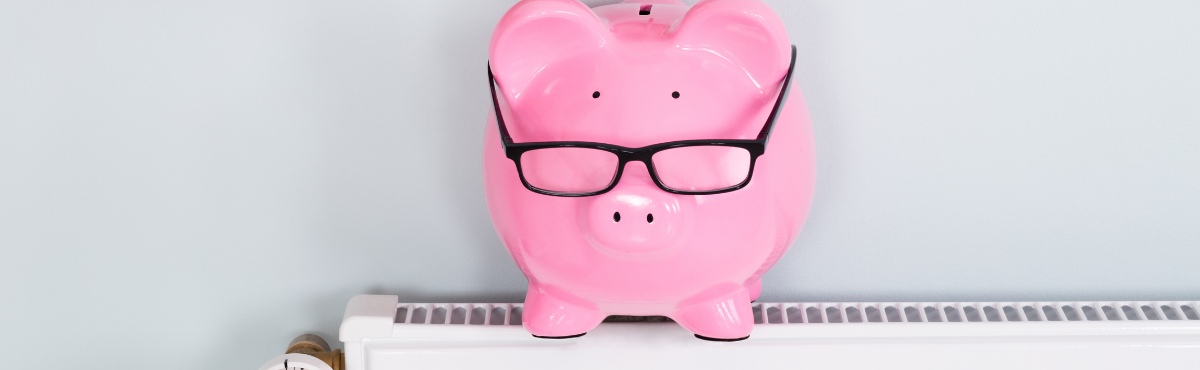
[691,167]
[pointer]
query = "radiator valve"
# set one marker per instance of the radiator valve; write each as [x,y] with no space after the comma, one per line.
[309,352]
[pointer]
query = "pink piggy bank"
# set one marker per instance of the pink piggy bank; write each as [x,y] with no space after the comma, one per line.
[645,158]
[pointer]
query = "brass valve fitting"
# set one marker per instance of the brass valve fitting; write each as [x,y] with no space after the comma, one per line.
[315,346]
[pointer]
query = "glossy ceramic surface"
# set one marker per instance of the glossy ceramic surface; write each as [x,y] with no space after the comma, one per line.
[636,74]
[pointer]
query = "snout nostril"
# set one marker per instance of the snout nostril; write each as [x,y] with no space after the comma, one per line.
[650,218]
[616,216]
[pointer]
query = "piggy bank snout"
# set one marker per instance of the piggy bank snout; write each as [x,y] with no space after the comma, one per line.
[635,219]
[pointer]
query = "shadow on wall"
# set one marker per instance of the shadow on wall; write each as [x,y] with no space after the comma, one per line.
[404,198]
[395,222]
[464,109]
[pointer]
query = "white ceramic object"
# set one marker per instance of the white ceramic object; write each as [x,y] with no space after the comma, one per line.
[958,335]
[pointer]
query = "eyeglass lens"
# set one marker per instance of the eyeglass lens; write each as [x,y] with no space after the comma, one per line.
[569,170]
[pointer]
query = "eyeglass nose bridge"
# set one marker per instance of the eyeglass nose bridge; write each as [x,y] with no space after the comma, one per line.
[647,164]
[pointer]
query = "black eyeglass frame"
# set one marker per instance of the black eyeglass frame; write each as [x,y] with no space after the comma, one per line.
[645,154]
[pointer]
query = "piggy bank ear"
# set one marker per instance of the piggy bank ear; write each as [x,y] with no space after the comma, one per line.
[745,32]
[535,33]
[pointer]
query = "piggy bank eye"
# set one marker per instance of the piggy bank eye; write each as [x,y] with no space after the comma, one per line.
[675,95]
[595,95]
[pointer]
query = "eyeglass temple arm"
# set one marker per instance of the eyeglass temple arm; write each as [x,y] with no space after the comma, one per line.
[765,134]
[505,138]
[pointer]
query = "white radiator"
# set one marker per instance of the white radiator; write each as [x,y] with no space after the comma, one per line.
[381,334]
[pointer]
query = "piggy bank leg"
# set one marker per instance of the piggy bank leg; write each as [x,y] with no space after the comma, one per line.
[547,316]
[725,319]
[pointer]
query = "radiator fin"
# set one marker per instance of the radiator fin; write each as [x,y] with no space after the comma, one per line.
[846,313]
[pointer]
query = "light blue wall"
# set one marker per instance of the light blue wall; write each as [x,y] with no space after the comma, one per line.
[190,185]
